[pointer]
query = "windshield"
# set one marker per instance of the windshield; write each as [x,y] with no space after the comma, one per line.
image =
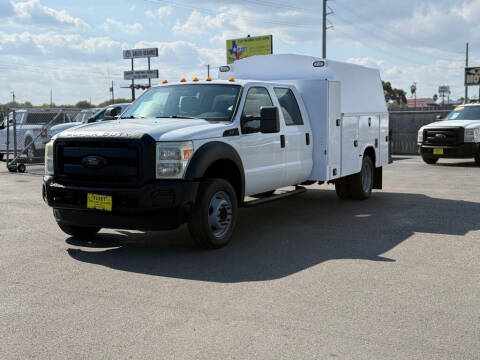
[465,113]
[198,101]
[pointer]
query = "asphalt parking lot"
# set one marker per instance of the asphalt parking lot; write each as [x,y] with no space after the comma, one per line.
[396,276]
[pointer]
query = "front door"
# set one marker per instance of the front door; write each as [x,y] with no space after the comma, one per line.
[262,154]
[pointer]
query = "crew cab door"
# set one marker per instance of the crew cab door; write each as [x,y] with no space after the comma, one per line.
[262,154]
[298,138]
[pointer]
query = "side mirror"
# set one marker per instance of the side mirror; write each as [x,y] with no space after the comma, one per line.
[269,120]
[438,117]
[111,113]
[91,120]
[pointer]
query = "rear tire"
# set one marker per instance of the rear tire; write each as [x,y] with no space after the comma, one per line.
[81,232]
[1,156]
[30,151]
[214,214]
[343,189]
[429,160]
[477,158]
[361,184]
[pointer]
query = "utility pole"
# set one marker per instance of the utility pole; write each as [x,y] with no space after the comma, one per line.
[133,83]
[208,70]
[113,95]
[324,30]
[51,98]
[466,65]
[13,96]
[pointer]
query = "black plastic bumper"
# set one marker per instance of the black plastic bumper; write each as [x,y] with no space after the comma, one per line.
[159,205]
[466,150]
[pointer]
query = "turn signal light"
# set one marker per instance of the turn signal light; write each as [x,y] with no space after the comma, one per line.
[195,79]
[183,80]
[231,79]
[208,79]
[164,82]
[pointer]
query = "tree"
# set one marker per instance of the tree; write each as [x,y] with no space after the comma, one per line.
[394,95]
[83,104]
[435,97]
[413,88]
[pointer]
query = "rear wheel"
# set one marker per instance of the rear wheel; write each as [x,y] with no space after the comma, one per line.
[477,158]
[30,150]
[430,160]
[1,156]
[81,232]
[361,184]
[214,214]
[342,188]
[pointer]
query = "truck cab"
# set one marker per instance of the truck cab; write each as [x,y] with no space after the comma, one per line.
[194,151]
[455,137]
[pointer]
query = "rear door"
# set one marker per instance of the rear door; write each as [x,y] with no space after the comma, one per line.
[298,137]
[334,131]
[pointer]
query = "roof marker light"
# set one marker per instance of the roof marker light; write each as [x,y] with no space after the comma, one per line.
[183,80]
[319,63]
[195,79]
[164,81]
[232,79]
[224,68]
[208,79]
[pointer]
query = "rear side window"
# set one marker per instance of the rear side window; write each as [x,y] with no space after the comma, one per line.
[288,103]
[45,118]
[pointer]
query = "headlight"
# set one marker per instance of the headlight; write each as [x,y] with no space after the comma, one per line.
[471,134]
[49,158]
[420,136]
[172,159]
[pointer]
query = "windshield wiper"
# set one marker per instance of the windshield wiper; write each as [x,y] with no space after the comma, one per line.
[133,117]
[177,117]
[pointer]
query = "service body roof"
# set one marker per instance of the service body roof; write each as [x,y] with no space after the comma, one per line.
[361,87]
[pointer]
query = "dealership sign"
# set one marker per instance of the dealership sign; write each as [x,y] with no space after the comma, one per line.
[241,48]
[140,53]
[444,90]
[140,74]
[472,76]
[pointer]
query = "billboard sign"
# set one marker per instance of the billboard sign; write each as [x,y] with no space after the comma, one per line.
[140,74]
[444,90]
[140,53]
[472,76]
[250,46]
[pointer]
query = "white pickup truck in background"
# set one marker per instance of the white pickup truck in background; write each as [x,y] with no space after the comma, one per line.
[194,151]
[455,137]
[32,130]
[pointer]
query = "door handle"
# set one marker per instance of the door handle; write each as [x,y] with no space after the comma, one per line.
[282,141]
[307,138]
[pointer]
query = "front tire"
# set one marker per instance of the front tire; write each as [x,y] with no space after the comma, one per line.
[214,214]
[81,232]
[361,184]
[429,160]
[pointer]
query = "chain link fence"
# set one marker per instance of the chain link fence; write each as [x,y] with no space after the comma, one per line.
[24,133]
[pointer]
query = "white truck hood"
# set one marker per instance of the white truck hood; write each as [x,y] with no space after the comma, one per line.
[162,129]
[467,124]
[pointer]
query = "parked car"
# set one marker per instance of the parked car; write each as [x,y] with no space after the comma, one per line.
[457,136]
[195,151]
[87,117]
[85,114]
[31,128]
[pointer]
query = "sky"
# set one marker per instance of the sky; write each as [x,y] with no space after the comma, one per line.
[75,47]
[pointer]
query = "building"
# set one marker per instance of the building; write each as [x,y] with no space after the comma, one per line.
[421,103]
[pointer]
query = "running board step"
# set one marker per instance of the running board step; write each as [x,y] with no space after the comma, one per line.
[252,203]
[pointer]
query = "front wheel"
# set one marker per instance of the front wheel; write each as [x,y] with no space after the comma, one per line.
[214,214]
[429,160]
[79,231]
[361,184]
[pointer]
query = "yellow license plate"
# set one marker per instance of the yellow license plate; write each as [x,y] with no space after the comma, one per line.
[437,151]
[99,202]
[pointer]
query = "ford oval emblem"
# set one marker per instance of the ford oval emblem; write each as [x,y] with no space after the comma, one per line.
[94,162]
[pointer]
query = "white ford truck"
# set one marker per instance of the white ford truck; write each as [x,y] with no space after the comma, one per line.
[457,136]
[194,151]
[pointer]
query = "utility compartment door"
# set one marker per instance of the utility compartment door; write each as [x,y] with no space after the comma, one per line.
[383,140]
[334,150]
[350,146]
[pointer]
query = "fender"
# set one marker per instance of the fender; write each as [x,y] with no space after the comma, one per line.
[210,152]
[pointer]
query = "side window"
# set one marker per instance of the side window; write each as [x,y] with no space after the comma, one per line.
[289,106]
[257,97]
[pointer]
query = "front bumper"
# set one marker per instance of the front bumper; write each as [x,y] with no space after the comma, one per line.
[159,205]
[466,150]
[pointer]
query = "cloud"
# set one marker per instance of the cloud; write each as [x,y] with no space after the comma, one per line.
[160,13]
[6,9]
[33,13]
[130,29]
